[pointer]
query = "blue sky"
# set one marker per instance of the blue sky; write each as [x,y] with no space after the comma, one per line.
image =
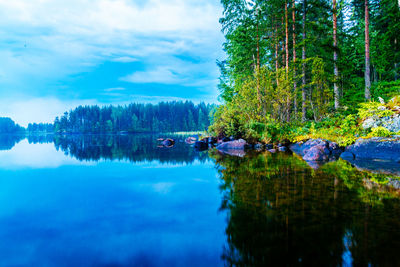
[58,54]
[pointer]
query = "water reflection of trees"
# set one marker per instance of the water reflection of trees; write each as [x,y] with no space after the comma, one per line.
[8,141]
[281,212]
[134,148]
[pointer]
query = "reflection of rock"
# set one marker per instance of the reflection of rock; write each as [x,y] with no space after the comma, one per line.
[234,152]
[375,166]
[376,148]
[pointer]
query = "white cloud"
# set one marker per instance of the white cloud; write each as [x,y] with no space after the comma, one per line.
[125,59]
[114,89]
[158,75]
[65,38]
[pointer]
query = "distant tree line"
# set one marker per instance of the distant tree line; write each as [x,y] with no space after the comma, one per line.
[40,127]
[8,126]
[163,117]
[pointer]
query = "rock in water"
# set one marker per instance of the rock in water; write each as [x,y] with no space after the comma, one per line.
[233,145]
[376,148]
[201,145]
[168,142]
[317,150]
[317,153]
[190,140]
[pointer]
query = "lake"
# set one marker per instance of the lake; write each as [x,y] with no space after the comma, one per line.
[125,201]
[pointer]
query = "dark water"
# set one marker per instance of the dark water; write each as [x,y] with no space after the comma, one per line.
[124,201]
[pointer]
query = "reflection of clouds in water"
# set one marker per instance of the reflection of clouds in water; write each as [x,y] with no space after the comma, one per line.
[25,155]
[162,188]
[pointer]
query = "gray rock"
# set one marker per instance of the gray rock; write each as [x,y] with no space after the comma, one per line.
[317,153]
[272,150]
[234,145]
[369,123]
[376,148]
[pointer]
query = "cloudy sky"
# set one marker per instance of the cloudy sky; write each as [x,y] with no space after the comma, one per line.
[58,54]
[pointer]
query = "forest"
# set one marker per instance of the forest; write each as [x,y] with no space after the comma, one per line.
[136,118]
[306,68]
[8,126]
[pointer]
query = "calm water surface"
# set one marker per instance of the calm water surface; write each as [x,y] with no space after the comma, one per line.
[124,201]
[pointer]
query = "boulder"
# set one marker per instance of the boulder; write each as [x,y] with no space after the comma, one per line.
[233,145]
[317,153]
[168,142]
[317,150]
[376,148]
[190,140]
[301,149]
[272,150]
[369,123]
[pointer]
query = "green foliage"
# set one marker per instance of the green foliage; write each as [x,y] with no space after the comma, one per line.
[385,89]
[371,109]
[379,132]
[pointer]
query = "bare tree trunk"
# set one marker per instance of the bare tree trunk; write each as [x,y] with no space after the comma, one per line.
[287,59]
[258,69]
[367,55]
[396,74]
[294,56]
[276,53]
[335,58]
[287,38]
[303,90]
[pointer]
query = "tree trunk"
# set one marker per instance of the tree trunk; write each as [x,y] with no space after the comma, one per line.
[258,69]
[396,74]
[367,55]
[288,100]
[276,53]
[335,58]
[287,38]
[303,90]
[294,56]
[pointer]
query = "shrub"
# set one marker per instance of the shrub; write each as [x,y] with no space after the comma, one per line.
[379,132]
